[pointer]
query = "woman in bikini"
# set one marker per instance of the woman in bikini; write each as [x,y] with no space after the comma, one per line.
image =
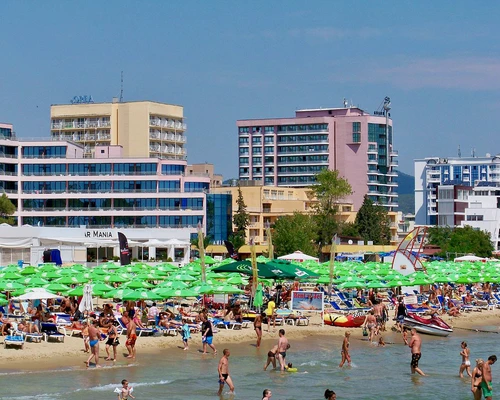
[257,325]
[271,357]
[465,353]
[477,377]
[111,342]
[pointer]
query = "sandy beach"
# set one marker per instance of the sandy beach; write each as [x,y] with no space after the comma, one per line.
[49,355]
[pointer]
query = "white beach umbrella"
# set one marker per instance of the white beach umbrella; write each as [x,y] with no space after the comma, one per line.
[86,302]
[37,294]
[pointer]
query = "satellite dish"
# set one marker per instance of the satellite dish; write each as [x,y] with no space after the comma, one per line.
[350,241]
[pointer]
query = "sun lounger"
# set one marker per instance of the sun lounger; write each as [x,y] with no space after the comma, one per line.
[52,332]
[16,341]
[168,331]
[231,325]
[33,337]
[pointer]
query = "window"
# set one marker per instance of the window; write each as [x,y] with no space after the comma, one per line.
[172,169]
[356,137]
[268,139]
[269,129]
[356,127]
[169,186]
[196,186]
[243,129]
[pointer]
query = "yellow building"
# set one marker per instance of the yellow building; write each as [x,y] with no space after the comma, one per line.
[205,169]
[265,204]
[142,128]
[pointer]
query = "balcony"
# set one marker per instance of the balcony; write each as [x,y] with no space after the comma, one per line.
[394,153]
[394,163]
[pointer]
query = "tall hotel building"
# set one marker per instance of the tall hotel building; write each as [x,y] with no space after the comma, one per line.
[291,151]
[106,167]
[431,173]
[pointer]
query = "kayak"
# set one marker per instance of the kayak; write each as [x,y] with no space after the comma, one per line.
[345,321]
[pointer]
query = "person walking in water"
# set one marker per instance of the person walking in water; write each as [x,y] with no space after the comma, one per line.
[283,346]
[266,394]
[223,370]
[416,352]
[476,379]
[486,382]
[465,353]
[345,351]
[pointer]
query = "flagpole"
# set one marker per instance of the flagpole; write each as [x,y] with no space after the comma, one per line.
[270,247]
[201,251]
[333,250]
[255,271]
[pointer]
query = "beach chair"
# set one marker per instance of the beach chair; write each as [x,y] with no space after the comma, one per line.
[34,337]
[62,319]
[467,307]
[14,341]
[168,331]
[246,323]
[52,331]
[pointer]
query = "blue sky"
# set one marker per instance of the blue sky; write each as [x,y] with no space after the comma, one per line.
[227,60]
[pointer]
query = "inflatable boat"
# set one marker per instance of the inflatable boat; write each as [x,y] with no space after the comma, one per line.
[345,321]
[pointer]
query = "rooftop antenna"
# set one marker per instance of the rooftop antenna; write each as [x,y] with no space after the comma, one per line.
[345,102]
[459,152]
[121,88]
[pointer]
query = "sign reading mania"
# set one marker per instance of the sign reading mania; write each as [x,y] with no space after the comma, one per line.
[82,100]
[99,234]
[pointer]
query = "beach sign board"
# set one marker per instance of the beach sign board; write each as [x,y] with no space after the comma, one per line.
[307,301]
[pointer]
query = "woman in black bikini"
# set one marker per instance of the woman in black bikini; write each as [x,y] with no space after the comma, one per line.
[257,325]
[477,377]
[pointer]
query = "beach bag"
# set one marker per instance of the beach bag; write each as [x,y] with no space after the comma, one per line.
[365,332]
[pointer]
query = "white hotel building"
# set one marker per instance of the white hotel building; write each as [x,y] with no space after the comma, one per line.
[68,196]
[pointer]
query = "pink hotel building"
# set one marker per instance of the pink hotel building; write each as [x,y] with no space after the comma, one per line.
[291,151]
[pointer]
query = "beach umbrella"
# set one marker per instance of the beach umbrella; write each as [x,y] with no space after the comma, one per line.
[167,293]
[6,286]
[296,271]
[86,303]
[398,282]
[116,294]
[237,280]
[50,274]
[135,295]
[71,280]
[57,287]
[11,276]
[181,277]
[34,281]
[421,281]
[102,287]
[37,294]
[173,285]
[245,267]
[68,272]
[29,270]
[118,278]
[202,288]
[227,289]
[3,302]
[352,284]
[376,285]
[137,285]
[149,277]
[48,267]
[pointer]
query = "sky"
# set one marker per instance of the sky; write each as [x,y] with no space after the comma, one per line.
[228,60]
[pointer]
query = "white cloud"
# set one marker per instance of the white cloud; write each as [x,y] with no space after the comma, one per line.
[465,72]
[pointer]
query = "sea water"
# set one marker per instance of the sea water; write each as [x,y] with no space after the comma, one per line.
[376,372]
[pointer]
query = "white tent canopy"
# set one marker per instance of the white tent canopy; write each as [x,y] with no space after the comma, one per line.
[298,256]
[37,294]
[470,258]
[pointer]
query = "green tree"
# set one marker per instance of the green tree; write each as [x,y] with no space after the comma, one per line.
[440,236]
[295,232]
[241,219]
[6,210]
[470,240]
[349,229]
[329,191]
[373,222]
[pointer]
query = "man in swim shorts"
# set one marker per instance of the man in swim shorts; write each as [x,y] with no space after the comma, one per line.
[415,346]
[486,382]
[223,370]
[131,338]
[283,346]
[207,335]
[94,335]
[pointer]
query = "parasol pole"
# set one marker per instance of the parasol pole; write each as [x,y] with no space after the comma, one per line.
[255,271]
[270,247]
[201,250]
[333,250]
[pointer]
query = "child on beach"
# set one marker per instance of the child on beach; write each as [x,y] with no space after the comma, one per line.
[381,342]
[186,334]
[125,392]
